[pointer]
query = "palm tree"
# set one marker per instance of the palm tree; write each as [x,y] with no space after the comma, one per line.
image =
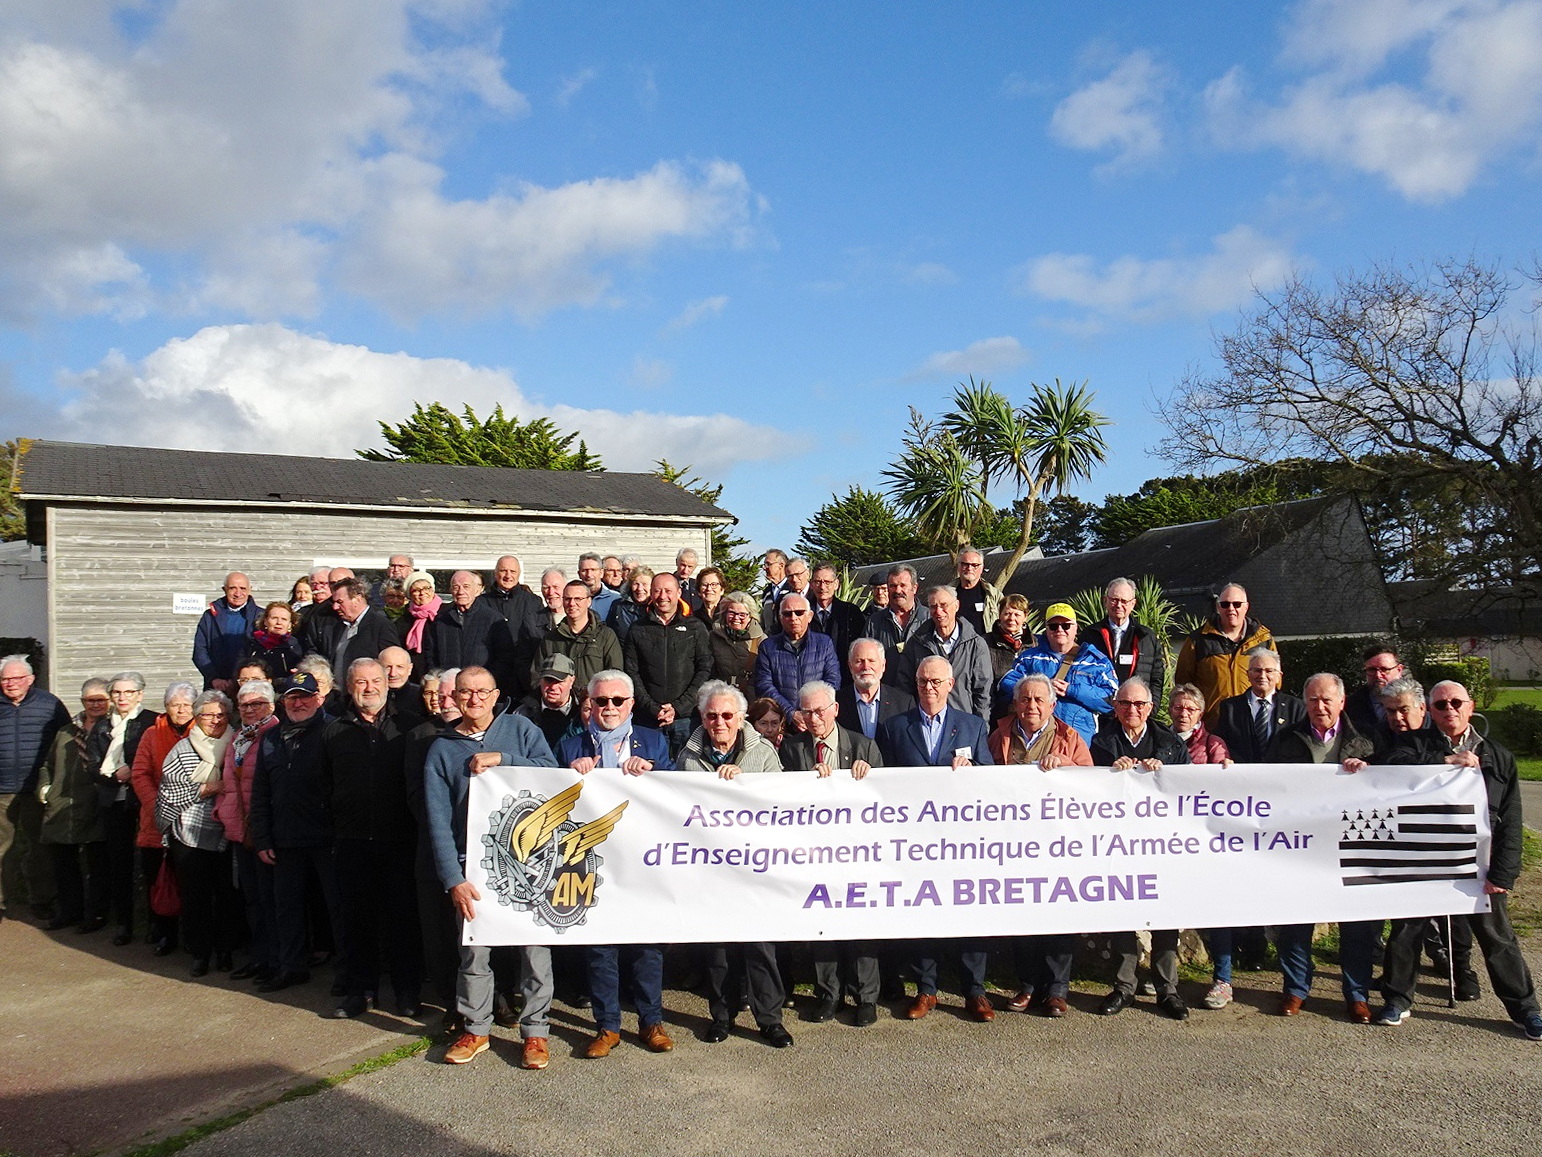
[938,485]
[1041,447]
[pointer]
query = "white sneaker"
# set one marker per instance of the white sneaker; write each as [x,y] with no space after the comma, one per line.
[1219,995]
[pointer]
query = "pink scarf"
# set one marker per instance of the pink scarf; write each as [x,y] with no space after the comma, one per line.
[421,617]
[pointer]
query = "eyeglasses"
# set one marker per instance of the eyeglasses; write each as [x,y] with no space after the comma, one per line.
[715,715]
[210,715]
[1132,703]
[1449,704]
[610,700]
[1383,670]
[1231,605]
[476,692]
[95,701]
[793,614]
[825,710]
[14,678]
[931,682]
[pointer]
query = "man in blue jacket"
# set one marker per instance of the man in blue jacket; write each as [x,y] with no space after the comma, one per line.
[480,740]
[223,633]
[30,718]
[933,734]
[794,656]
[1083,678]
[612,740]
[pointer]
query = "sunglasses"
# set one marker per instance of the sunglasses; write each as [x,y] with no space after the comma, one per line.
[1449,704]
[1231,605]
[610,700]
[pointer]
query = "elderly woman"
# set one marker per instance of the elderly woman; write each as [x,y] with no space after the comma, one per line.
[393,600]
[423,606]
[255,702]
[164,734]
[736,638]
[709,594]
[115,743]
[766,716]
[725,744]
[634,606]
[1186,708]
[184,812]
[73,827]
[1003,642]
[273,645]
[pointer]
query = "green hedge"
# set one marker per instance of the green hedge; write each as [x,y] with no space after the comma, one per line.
[1303,658]
[1518,727]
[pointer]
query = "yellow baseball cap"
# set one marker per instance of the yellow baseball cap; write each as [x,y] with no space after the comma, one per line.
[1059,611]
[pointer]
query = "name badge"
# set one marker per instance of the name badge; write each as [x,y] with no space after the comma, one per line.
[1126,659]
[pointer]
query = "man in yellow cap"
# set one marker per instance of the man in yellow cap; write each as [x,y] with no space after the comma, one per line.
[1083,678]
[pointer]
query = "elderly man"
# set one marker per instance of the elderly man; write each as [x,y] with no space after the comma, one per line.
[824,746]
[481,739]
[774,565]
[839,620]
[1456,743]
[612,740]
[726,745]
[30,718]
[405,695]
[1381,666]
[552,706]
[362,754]
[949,635]
[320,580]
[1031,735]
[1249,722]
[898,621]
[590,568]
[669,657]
[1082,677]
[978,601]
[794,656]
[795,581]
[523,623]
[362,631]
[589,643]
[223,633]
[553,579]
[290,824]
[613,573]
[398,568]
[686,564]
[1215,657]
[1326,736]
[114,744]
[1138,744]
[458,635]
[319,626]
[934,734]
[869,702]
[1130,645]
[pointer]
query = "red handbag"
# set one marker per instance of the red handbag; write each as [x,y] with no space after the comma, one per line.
[165,895]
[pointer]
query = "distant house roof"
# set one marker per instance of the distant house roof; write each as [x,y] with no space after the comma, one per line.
[1500,612]
[77,472]
[1309,567]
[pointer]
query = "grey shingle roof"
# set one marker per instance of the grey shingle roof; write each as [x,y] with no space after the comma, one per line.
[78,470]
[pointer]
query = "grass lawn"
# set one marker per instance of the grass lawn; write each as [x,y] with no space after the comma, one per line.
[1528,768]
[1532,696]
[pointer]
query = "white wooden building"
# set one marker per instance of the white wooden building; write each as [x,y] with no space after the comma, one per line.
[137,541]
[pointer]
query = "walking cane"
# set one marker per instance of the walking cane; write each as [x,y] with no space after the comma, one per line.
[1450,966]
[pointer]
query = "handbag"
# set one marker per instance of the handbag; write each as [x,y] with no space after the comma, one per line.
[165,895]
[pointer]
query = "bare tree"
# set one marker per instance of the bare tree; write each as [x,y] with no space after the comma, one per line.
[1412,380]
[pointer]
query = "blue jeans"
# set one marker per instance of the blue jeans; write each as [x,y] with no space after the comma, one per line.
[645,965]
[1219,942]
[1357,957]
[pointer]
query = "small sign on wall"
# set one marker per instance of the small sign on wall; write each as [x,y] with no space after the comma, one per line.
[188,604]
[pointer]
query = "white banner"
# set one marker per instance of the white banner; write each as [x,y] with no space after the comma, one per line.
[677,857]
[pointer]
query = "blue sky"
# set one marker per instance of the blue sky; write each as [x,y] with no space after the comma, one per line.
[744,237]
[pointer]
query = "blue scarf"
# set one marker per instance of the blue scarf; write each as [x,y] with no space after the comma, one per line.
[610,744]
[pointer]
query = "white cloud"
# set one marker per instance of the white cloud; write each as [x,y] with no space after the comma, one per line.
[257,148]
[572,85]
[930,273]
[1423,94]
[649,373]
[988,356]
[1149,290]
[697,311]
[1121,112]
[237,387]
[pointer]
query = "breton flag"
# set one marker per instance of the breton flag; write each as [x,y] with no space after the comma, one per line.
[1434,841]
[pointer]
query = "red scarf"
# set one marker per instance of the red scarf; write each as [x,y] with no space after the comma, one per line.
[269,641]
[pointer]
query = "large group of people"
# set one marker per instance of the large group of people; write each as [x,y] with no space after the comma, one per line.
[306,802]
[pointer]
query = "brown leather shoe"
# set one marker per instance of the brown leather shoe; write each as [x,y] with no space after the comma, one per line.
[1357,1011]
[467,1047]
[1290,1005]
[920,1006]
[601,1045]
[1021,1001]
[655,1039]
[535,1055]
[980,1008]
[1054,1006]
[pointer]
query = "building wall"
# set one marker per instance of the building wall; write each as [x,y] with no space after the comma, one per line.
[23,593]
[113,570]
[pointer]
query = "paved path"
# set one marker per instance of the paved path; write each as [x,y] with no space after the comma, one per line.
[1531,803]
[101,1046]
